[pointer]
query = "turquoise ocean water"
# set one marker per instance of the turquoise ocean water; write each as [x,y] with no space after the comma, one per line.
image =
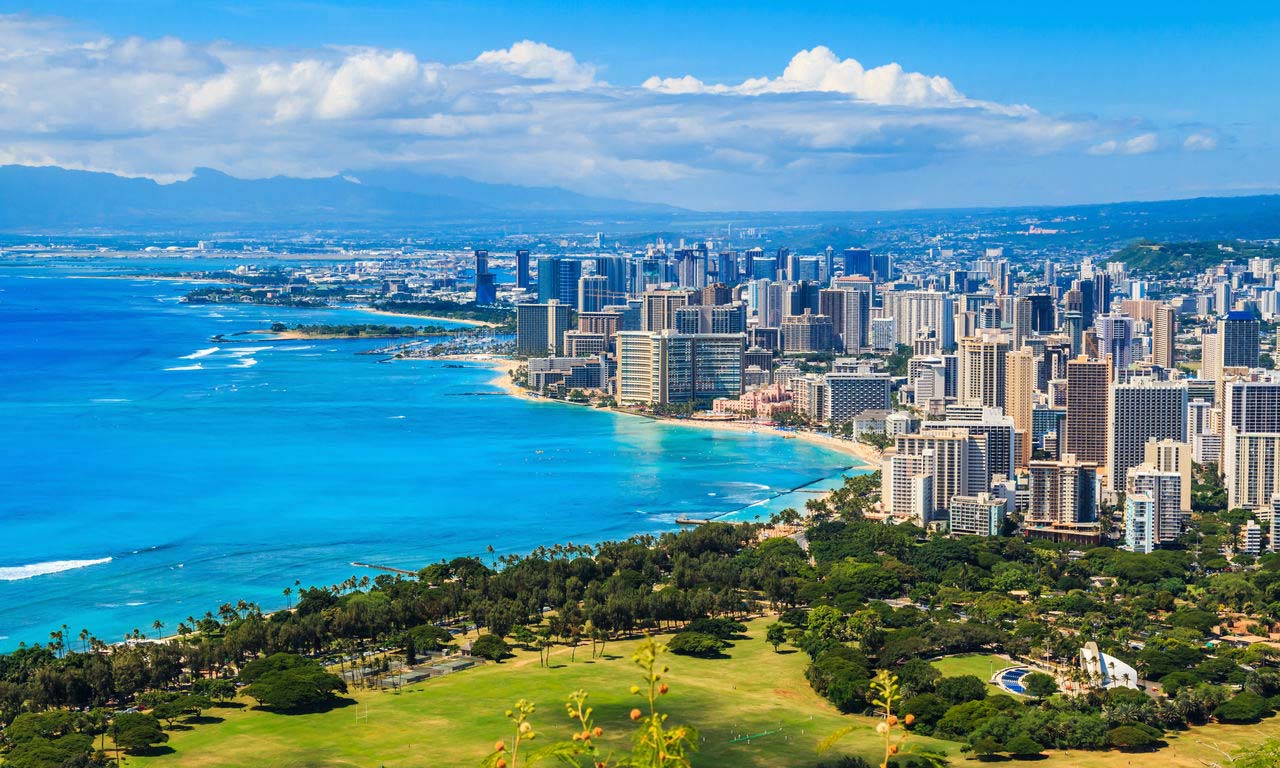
[146,473]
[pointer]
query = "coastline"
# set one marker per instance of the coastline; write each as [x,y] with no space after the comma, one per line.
[868,456]
[458,320]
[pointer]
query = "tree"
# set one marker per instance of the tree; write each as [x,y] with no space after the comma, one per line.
[1040,685]
[696,644]
[961,688]
[1023,746]
[986,747]
[775,635]
[288,683]
[1244,707]
[1131,738]
[490,647]
[135,731]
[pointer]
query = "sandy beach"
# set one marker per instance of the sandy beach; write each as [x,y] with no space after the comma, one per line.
[868,456]
[458,320]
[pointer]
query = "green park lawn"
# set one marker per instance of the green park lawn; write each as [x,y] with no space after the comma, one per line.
[980,665]
[454,720]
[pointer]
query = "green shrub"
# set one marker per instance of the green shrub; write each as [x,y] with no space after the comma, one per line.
[698,644]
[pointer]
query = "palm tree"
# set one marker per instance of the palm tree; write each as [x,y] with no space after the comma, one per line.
[158,625]
[288,600]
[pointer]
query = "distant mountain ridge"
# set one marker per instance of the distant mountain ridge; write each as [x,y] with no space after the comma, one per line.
[43,197]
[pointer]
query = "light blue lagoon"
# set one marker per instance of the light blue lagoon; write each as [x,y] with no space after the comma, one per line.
[147,473]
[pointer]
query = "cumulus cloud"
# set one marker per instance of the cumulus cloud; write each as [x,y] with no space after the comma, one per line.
[1200,142]
[529,113]
[820,70]
[538,61]
[1137,145]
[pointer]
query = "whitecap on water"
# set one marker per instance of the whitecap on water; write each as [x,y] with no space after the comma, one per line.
[18,572]
[245,362]
[196,367]
[201,353]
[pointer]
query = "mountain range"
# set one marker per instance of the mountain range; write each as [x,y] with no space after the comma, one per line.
[34,199]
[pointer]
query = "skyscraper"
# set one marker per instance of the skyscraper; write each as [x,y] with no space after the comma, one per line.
[1021,321]
[558,279]
[857,261]
[1163,334]
[669,367]
[659,308]
[522,269]
[1251,442]
[1117,340]
[1063,492]
[1139,412]
[1087,383]
[593,293]
[1019,395]
[982,369]
[486,285]
[1240,333]
[540,328]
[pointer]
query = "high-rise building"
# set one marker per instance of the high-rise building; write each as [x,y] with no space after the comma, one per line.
[558,279]
[1210,356]
[982,369]
[958,462]
[979,515]
[1087,385]
[1117,340]
[857,261]
[1062,492]
[1042,315]
[522,269]
[486,281]
[1163,334]
[1021,321]
[850,394]
[807,333]
[882,334]
[540,328]
[1240,333]
[668,367]
[1251,441]
[1139,412]
[659,309]
[1140,523]
[916,311]
[1002,446]
[593,293]
[1020,398]
[906,487]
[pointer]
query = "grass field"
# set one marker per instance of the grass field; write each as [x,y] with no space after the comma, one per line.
[452,721]
[980,665]
[755,693]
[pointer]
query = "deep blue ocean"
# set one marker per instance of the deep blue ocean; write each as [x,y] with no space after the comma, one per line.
[147,473]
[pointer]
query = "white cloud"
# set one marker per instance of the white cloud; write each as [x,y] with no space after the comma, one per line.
[528,114]
[539,61]
[1200,142]
[1137,145]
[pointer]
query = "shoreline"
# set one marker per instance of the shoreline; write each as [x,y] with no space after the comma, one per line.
[868,457]
[438,318]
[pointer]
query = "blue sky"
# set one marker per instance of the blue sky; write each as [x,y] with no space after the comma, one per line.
[1123,100]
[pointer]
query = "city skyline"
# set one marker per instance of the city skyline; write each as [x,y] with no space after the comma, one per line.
[835,111]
